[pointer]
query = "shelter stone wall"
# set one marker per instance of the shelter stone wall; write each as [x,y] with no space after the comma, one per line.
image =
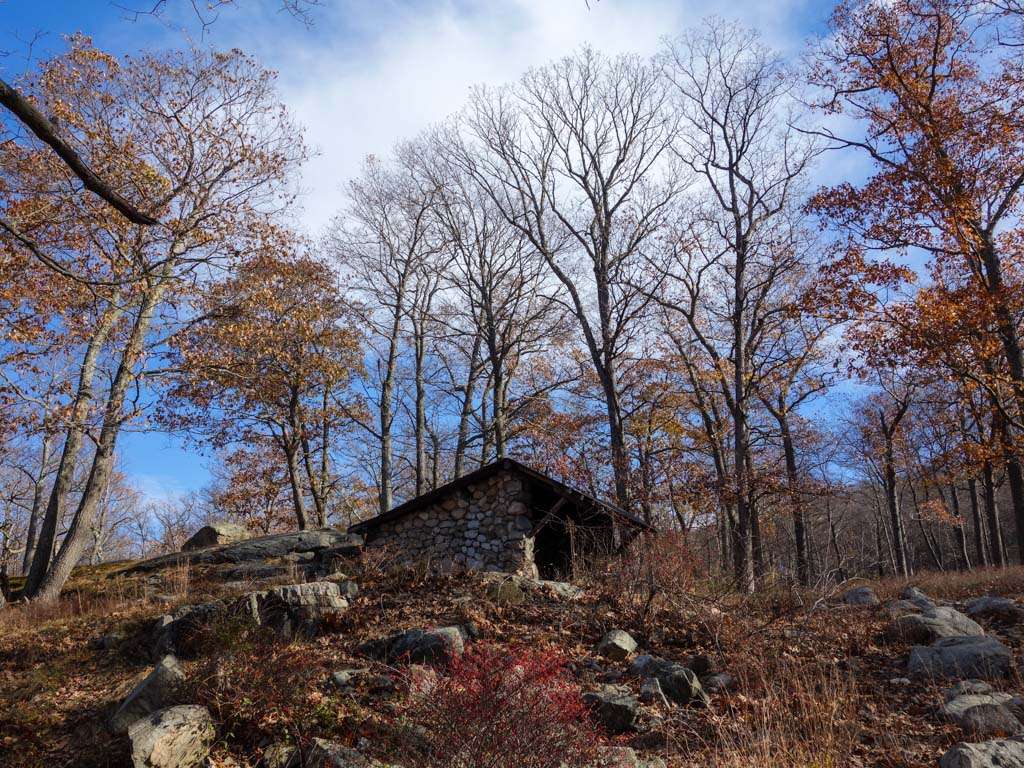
[484,526]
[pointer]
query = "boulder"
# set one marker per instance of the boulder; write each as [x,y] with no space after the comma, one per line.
[917,597]
[417,646]
[998,753]
[295,608]
[934,624]
[176,737]
[960,657]
[679,683]
[153,692]
[215,535]
[614,707]
[346,678]
[616,645]
[860,596]
[984,715]
[987,721]
[1002,610]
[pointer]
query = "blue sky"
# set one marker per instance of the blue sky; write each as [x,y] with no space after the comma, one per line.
[368,74]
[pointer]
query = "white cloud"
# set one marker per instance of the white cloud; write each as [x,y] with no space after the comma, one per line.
[371,74]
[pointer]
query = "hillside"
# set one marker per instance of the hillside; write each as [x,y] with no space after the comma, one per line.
[809,681]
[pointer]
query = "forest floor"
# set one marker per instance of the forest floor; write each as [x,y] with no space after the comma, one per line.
[817,685]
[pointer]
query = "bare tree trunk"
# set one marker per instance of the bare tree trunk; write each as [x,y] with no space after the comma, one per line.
[961,531]
[295,481]
[979,534]
[72,446]
[795,501]
[467,409]
[103,458]
[38,494]
[992,513]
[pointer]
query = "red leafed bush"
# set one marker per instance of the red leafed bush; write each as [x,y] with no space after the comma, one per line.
[498,708]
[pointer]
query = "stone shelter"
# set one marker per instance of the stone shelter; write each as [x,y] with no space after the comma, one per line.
[504,516]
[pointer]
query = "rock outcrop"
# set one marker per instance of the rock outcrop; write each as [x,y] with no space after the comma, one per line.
[295,608]
[262,548]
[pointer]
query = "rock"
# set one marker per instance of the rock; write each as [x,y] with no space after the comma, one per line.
[898,608]
[616,645]
[262,548]
[561,589]
[506,592]
[651,693]
[252,572]
[984,714]
[1002,610]
[718,682]
[216,534]
[329,754]
[860,596]
[638,667]
[346,678]
[279,755]
[998,753]
[416,646]
[933,624]
[614,707]
[176,737]
[679,683]
[917,597]
[515,588]
[626,757]
[986,721]
[153,692]
[295,608]
[974,657]
[966,687]
[701,664]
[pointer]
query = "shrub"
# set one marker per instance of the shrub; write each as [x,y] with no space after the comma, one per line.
[504,709]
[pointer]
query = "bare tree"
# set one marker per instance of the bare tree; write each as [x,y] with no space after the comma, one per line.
[576,157]
[722,273]
[382,242]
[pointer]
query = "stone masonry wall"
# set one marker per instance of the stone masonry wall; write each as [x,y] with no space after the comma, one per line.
[484,526]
